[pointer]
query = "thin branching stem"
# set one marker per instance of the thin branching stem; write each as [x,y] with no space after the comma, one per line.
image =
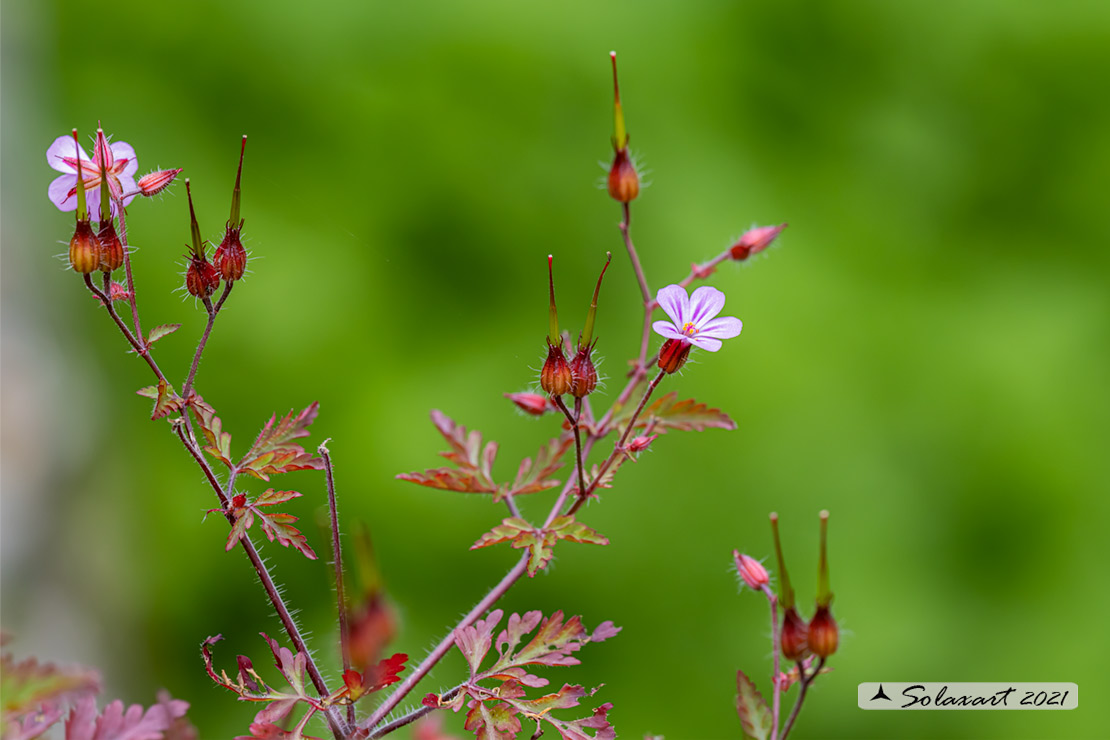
[776,692]
[803,685]
[202,343]
[337,562]
[135,345]
[264,577]
[573,419]
[130,280]
[645,291]
[414,715]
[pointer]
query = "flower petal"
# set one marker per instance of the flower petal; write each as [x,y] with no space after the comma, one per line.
[674,301]
[126,162]
[59,192]
[724,327]
[64,146]
[705,303]
[667,329]
[707,343]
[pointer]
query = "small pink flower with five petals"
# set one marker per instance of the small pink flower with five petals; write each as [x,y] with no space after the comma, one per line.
[694,318]
[119,163]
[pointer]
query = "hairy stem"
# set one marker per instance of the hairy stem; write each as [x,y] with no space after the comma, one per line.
[263,576]
[337,561]
[446,643]
[212,311]
[619,449]
[773,600]
[130,280]
[135,345]
[645,292]
[412,716]
[803,684]
[573,419]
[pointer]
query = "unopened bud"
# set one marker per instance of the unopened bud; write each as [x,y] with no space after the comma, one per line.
[641,443]
[555,377]
[84,249]
[529,403]
[230,257]
[754,241]
[751,570]
[794,635]
[673,354]
[624,182]
[116,292]
[111,248]
[156,182]
[201,279]
[583,373]
[824,636]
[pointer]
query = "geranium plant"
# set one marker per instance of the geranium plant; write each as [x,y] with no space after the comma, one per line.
[507,691]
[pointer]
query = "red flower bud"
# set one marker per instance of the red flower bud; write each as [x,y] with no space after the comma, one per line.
[201,279]
[556,377]
[755,240]
[624,183]
[84,248]
[751,570]
[824,636]
[156,182]
[673,354]
[230,257]
[529,403]
[794,635]
[639,444]
[111,248]
[583,373]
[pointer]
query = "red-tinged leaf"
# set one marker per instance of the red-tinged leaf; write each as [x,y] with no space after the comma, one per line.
[33,724]
[566,528]
[116,723]
[270,731]
[244,518]
[492,720]
[475,641]
[606,480]
[163,330]
[449,479]
[552,644]
[755,716]
[535,477]
[274,451]
[27,685]
[276,711]
[540,543]
[385,673]
[292,666]
[430,727]
[580,729]
[166,402]
[277,527]
[474,463]
[564,698]
[509,529]
[271,497]
[688,415]
[219,441]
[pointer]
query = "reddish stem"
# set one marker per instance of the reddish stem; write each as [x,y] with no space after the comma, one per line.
[337,562]
[775,641]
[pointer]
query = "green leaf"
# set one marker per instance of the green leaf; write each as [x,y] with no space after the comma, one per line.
[755,717]
[493,720]
[278,526]
[150,391]
[160,331]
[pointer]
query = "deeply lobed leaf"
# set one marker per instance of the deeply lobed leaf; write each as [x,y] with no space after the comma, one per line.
[117,723]
[274,451]
[473,471]
[540,543]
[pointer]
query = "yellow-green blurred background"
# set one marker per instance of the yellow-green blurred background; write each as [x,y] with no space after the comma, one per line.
[924,353]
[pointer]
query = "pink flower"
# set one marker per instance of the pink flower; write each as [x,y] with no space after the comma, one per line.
[118,160]
[693,318]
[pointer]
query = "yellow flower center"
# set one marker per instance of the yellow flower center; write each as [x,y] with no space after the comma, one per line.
[689,329]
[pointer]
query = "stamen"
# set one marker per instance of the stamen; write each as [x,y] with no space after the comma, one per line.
[689,329]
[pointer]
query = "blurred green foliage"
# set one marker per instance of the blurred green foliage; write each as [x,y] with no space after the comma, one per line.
[925,352]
